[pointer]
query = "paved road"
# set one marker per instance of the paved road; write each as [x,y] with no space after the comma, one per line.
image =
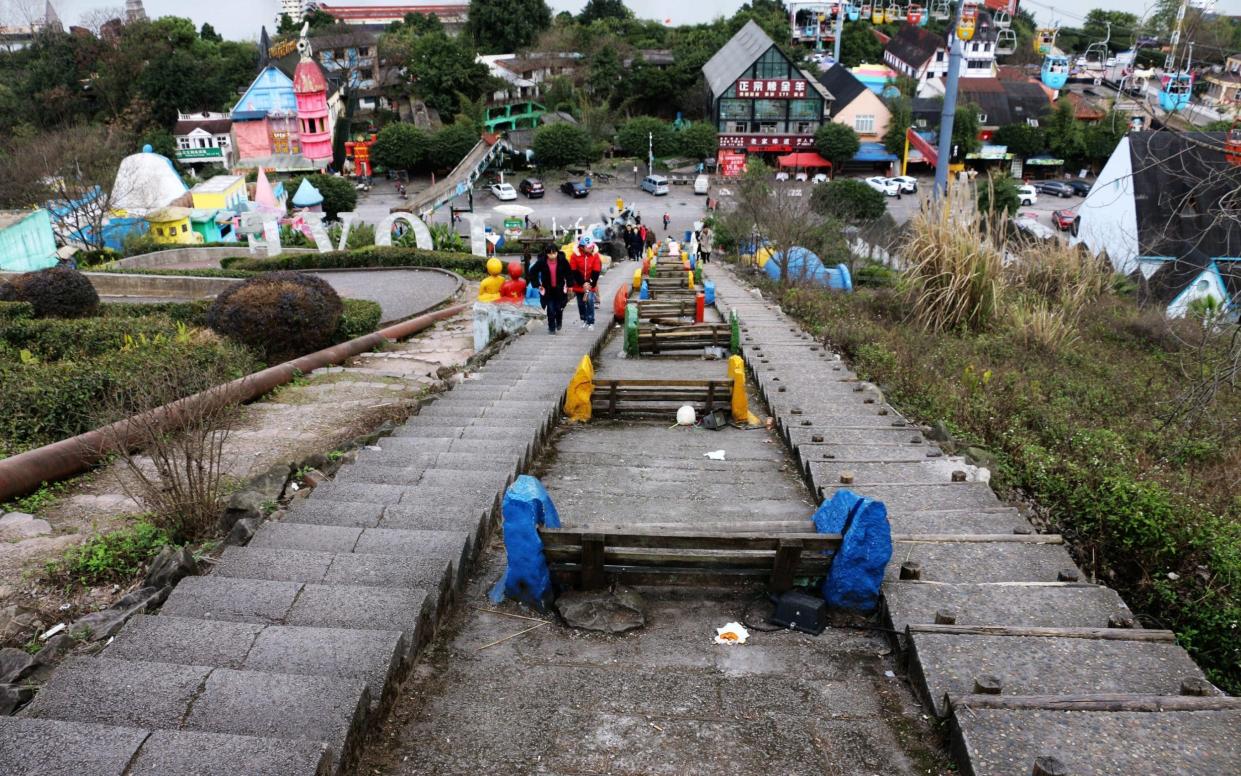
[401,293]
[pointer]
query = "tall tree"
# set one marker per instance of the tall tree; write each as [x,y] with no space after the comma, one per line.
[858,44]
[504,26]
[1022,140]
[450,145]
[965,128]
[604,9]
[401,147]
[901,119]
[638,134]
[558,145]
[439,68]
[837,143]
[1066,136]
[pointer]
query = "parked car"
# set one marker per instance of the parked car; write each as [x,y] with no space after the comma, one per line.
[885,186]
[908,183]
[1056,188]
[1028,194]
[702,184]
[1080,187]
[1063,219]
[575,189]
[1026,223]
[655,184]
[503,191]
[531,187]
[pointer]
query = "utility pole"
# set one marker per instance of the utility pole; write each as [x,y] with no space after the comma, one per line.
[840,26]
[650,153]
[955,54]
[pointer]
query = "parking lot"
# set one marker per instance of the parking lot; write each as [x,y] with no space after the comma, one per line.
[684,207]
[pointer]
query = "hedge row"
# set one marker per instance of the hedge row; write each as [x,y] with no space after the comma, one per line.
[59,339]
[360,317]
[12,311]
[206,272]
[461,263]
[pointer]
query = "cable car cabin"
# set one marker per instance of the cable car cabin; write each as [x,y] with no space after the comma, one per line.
[1001,20]
[940,10]
[865,10]
[1055,72]
[1232,144]
[877,15]
[1175,91]
[1045,40]
[853,12]
[892,13]
[1005,42]
[914,15]
[969,19]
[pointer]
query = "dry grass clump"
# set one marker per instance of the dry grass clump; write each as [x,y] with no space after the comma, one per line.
[954,274]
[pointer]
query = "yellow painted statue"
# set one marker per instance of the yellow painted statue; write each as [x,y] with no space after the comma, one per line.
[489,289]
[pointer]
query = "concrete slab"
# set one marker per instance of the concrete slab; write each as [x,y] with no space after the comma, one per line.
[1187,743]
[182,752]
[232,600]
[386,471]
[959,562]
[959,495]
[948,664]
[314,538]
[365,608]
[273,565]
[1001,520]
[347,514]
[928,472]
[33,747]
[424,516]
[118,692]
[307,708]
[367,656]
[1049,606]
[452,546]
[184,640]
[354,492]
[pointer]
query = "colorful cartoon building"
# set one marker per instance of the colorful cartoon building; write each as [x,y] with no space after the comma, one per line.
[314,121]
[223,192]
[211,225]
[171,226]
[307,197]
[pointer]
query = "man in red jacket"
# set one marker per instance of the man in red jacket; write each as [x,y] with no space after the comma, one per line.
[585,266]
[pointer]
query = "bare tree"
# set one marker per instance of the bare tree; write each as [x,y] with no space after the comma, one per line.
[96,18]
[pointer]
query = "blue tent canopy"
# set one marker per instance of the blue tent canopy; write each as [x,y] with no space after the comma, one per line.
[873,152]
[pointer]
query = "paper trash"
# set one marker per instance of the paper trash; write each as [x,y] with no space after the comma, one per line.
[715,455]
[732,633]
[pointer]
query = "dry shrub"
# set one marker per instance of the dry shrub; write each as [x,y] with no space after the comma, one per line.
[280,315]
[1037,325]
[56,292]
[1063,275]
[954,272]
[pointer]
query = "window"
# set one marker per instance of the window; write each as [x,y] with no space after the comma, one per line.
[183,142]
[159,231]
[364,50]
[741,126]
[974,46]
[1202,285]
[769,109]
[1031,122]
[982,118]
[805,109]
[769,127]
[734,109]
[864,124]
[771,65]
[939,56]
[185,228]
[805,127]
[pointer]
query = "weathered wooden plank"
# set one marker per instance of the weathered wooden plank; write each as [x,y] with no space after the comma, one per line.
[788,558]
[698,540]
[808,565]
[592,554]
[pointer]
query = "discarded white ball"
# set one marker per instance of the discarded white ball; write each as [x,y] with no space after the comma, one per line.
[686,416]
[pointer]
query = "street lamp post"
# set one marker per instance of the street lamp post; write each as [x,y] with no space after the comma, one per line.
[650,153]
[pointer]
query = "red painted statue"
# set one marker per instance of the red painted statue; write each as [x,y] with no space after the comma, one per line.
[514,289]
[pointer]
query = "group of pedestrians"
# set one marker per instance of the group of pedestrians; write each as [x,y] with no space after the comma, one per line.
[637,239]
[555,277]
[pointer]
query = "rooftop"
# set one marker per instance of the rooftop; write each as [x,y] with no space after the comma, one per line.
[10,217]
[217,185]
[735,57]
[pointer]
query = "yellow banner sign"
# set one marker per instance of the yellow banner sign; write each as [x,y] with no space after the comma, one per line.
[282,49]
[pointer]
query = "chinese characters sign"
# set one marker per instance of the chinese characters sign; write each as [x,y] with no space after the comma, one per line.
[730,163]
[766,142]
[771,88]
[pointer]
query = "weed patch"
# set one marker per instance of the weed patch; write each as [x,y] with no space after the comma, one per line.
[114,557]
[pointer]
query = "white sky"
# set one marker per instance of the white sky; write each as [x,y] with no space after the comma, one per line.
[241,19]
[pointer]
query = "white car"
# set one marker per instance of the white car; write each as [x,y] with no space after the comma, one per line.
[1027,224]
[908,183]
[782,176]
[503,191]
[1028,195]
[819,178]
[885,186]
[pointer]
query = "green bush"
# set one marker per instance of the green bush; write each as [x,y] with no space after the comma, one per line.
[359,318]
[12,311]
[461,263]
[109,557]
[206,272]
[192,313]
[46,401]
[56,339]
[56,292]
[559,145]
[280,315]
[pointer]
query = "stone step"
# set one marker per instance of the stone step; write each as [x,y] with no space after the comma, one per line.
[927,472]
[957,495]
[369,656]
[587,507]
[1000,742]
[54,748]
[831,435]
[343,513]
[811,452]
[293,603]
[449,546]
[1053,605]
[964,562]
[943,664]
[1001,520]
[166,696]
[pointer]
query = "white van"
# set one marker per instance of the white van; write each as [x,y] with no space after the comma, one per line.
[655,184]
[702,184]
[1027,195]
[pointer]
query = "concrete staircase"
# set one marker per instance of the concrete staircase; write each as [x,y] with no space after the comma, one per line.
[281,660]
[1035,669]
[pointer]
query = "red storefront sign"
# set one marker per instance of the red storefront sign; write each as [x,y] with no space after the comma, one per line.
[767,142]
[730,164]
[772,88]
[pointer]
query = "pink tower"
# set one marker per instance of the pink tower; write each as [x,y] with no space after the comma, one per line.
[310,86]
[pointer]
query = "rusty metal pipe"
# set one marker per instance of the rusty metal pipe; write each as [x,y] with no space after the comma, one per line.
[25,472]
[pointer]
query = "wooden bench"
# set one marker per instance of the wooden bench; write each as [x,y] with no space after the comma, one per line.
[590,560]
[630,398]
[654,340]
[683,307]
